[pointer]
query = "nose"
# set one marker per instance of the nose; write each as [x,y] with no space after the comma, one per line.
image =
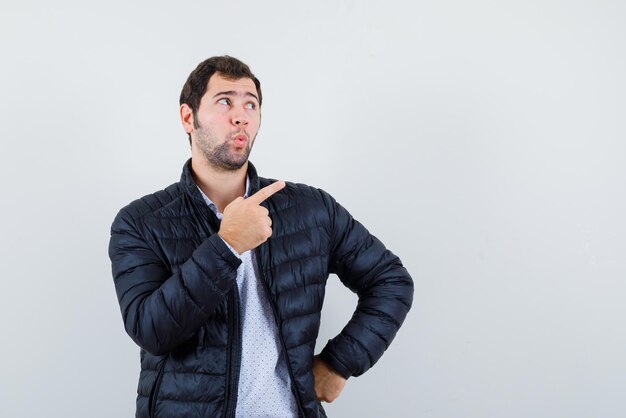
[240,118]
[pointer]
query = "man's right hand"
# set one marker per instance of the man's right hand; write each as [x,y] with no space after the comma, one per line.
[246,224]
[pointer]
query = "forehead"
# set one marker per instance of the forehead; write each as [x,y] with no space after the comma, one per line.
[218,83]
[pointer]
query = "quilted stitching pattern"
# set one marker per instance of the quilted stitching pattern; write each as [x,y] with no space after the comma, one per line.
[172,275]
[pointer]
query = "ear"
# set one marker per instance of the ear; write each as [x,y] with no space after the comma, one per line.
[186,117]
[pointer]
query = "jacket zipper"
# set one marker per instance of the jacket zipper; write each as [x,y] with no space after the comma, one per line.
[233,361]
[155,390]
[234,354]
[294,389]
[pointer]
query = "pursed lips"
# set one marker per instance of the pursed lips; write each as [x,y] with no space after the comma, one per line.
[240,139]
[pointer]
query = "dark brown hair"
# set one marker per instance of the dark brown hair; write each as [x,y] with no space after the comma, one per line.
[198,81]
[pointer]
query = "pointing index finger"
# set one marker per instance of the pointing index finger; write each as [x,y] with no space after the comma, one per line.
[266,192]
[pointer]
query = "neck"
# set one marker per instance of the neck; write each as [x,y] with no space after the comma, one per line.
[222,187]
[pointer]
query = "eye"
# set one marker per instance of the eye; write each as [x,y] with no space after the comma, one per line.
[250,106]
[224,101]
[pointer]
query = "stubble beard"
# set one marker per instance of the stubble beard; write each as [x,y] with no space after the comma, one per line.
[219,156]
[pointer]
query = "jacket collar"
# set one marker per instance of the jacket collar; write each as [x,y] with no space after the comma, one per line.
[186,179]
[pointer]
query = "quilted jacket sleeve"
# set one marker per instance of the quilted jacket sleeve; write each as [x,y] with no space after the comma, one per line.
[161,310]
[384,289]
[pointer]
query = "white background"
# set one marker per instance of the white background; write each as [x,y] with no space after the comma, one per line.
[482,141]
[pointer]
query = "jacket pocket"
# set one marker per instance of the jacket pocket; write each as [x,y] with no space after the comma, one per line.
[155,389]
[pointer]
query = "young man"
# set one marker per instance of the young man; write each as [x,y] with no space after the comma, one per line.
[221,276]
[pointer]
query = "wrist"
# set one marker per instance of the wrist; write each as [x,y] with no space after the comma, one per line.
[230,244]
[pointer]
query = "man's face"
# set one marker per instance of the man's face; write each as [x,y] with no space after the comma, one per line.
[227,122]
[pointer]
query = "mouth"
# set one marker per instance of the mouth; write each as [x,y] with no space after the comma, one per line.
[240,140]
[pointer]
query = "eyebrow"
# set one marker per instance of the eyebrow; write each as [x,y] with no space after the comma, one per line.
[234,93]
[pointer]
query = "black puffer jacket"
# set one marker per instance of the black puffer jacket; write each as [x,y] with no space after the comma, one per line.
[175,277]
